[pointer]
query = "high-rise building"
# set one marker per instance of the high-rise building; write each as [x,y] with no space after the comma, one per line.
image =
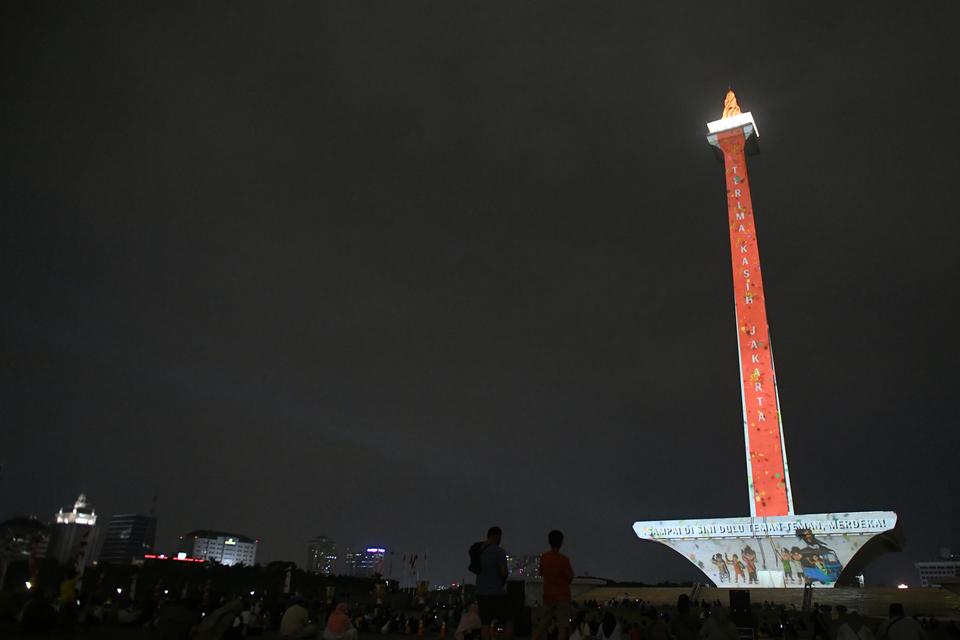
[364,563]
[322,556]
[128,538]
[75,535]
[219,547]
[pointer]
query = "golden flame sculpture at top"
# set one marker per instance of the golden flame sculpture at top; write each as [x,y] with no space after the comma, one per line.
[730,106]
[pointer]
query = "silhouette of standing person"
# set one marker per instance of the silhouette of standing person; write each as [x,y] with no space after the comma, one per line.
[491,591]
[557,575]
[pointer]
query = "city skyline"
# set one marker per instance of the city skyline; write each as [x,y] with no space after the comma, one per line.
[390,563]
[399,276]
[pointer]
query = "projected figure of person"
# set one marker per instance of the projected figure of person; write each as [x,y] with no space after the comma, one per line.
[787,565]
[811,540]
[750,558]
[818,563]
[737,568]
[721,566]
[797,559]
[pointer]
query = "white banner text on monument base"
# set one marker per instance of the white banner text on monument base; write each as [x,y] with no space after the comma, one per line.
[775,551]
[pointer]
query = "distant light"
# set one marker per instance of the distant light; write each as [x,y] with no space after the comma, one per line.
[119,590]
[28,585]
[902,586]
[253,593]
[181,555]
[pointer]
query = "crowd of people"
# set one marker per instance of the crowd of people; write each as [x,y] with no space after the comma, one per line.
[626,619]
[210,617]
[691,620]
[232,617]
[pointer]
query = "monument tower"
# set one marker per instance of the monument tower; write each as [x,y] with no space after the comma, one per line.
[767,475]
[772,547]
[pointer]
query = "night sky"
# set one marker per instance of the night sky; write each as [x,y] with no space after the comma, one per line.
[394,273]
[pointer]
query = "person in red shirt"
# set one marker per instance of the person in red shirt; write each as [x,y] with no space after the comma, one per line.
[557,575]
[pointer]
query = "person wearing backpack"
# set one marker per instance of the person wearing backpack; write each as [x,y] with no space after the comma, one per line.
[489,561]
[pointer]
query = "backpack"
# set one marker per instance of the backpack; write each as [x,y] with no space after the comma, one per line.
[476,551]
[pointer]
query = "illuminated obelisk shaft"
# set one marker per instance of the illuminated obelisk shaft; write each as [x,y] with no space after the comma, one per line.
[773,547]
[767,471]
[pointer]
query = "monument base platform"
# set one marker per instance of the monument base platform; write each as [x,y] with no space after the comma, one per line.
[822,550]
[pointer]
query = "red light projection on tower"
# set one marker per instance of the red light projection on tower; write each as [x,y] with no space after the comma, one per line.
[767,471]
[773,547]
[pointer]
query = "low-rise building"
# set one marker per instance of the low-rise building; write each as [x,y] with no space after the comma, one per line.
[523,566]
[364,563]
[219,547]
[946,568]
[23,538]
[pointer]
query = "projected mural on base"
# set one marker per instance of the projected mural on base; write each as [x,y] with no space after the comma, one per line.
[786,551]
